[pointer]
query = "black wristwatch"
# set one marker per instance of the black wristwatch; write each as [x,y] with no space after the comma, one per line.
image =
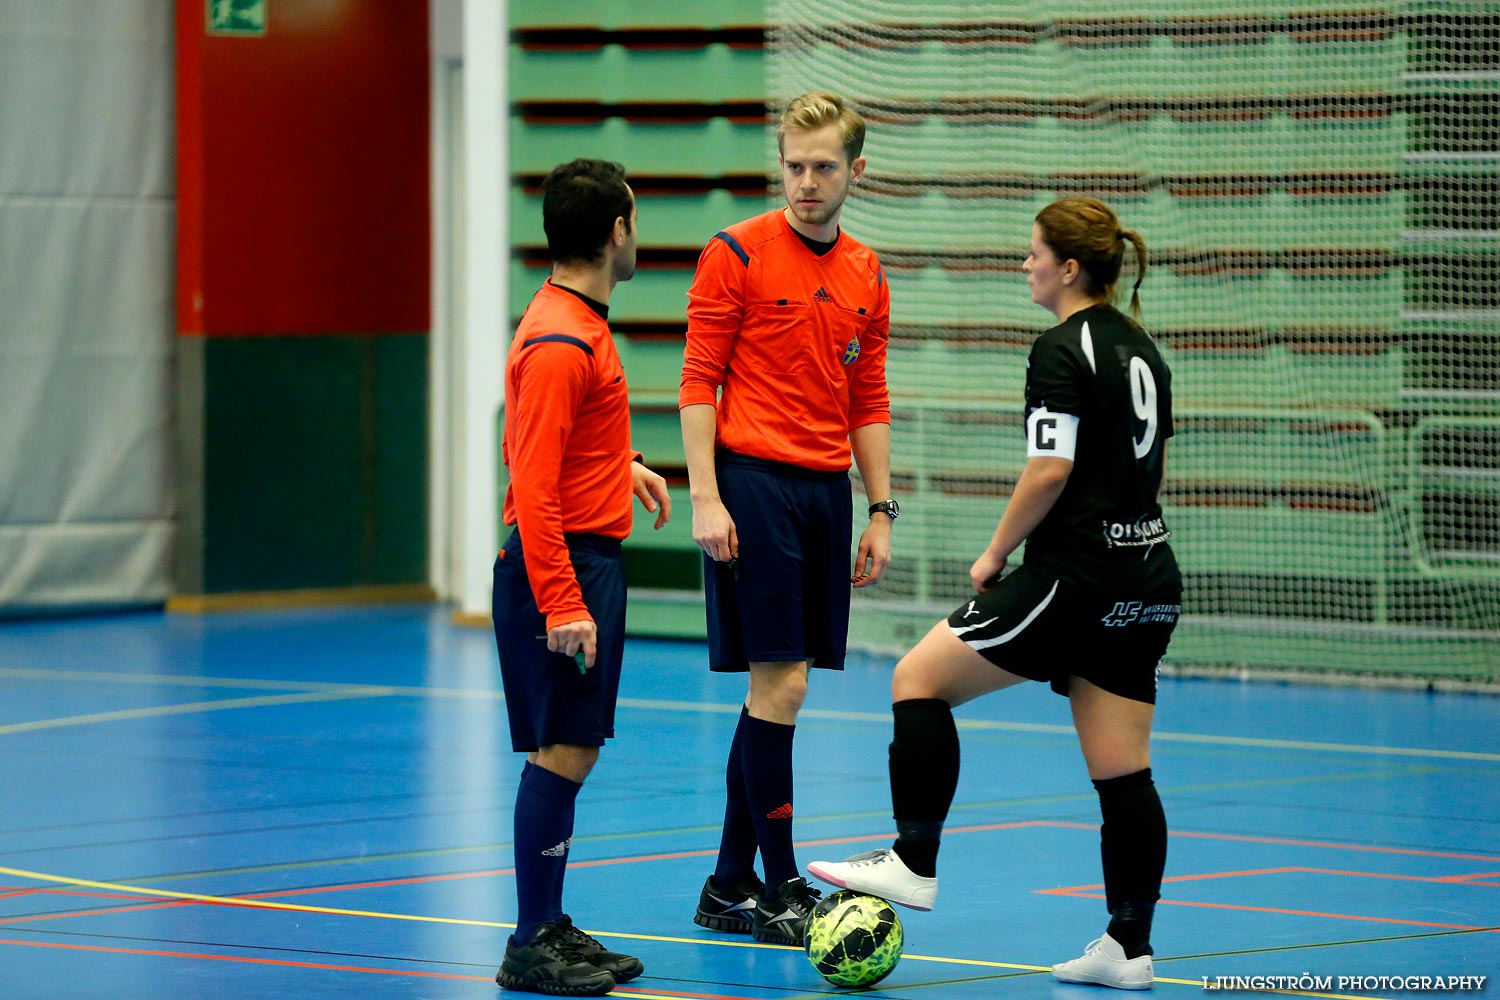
[890,507]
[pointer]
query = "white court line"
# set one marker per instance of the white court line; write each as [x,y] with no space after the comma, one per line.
[336,690]
[191,708]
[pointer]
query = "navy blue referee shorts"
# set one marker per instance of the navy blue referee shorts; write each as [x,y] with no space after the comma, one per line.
[786,598]
[1047,630]
[549,700]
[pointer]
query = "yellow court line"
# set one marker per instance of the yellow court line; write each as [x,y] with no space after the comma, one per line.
[160,711]
[262,904]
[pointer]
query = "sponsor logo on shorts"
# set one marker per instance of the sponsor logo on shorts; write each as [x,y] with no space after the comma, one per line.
[1136,613]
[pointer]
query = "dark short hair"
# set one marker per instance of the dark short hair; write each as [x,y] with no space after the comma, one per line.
[580,202]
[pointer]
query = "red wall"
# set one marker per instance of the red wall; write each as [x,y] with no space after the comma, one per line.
[302,160]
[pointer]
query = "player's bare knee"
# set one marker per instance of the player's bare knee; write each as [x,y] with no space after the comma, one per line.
[788,695]
[568,760]
[911,680]
[1113,759]
[777,691]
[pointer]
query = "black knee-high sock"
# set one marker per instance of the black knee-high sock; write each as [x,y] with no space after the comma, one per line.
[924,775]
[1133,847]
[766,758]
[737,843]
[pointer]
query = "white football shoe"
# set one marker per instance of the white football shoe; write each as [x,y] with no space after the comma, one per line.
[880,873]
[1103,963]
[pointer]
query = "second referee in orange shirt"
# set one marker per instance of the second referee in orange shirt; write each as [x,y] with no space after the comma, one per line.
[784,374]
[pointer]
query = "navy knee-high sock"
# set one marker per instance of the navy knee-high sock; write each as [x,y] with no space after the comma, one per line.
[766,757]
[557,885]
[737,843]
[1133,847]
[543,832]
[924,759]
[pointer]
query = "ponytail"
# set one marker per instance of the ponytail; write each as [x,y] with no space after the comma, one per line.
[1140,268]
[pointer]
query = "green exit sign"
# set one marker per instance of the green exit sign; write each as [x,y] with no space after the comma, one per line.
[236,17]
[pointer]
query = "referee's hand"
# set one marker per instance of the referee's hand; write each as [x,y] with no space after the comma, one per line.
[713,530]
[874,553]
[574,637]
[651,490]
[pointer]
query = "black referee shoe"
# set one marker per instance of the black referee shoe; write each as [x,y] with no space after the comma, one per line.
[730,908]
[781,916]
[623,967]
[552,962]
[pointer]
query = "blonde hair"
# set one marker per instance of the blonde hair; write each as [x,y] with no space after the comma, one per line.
[814,110]
[1087,230]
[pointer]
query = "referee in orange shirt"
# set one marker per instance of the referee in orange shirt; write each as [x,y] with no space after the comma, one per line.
[559,597]
[784,373]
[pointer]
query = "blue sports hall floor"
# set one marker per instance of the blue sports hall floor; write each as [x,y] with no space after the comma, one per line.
[317,805]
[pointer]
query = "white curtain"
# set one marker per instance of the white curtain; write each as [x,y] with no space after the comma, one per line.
[87,199]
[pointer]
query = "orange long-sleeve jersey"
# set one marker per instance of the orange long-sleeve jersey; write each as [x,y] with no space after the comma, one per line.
[567,442]
[797,342]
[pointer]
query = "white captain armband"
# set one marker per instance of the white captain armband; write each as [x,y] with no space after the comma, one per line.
[1051,435]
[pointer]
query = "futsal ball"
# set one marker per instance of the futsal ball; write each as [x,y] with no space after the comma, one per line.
[853,939]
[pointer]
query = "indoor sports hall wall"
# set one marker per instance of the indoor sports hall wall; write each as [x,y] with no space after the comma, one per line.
[677,93]
[1318,188]
[302,304]
[86,203]
[276,172]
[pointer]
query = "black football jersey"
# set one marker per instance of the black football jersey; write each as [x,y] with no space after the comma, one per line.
[1097,386]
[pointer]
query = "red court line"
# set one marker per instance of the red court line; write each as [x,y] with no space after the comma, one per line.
[326,966]
[634,859]
[17,892]
[1238,907]
[419,879]
[947,832]
[1465,878]
[1397,878]
[353,886]
[1335,916]
[642,991]
[1335,845]
[1241,838]
[104,911]
[1072,890]
[1069,890]
[47,891]
[1088,892]
[242,959]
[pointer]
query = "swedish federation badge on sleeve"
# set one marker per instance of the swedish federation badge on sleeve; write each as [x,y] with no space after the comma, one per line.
[851,353]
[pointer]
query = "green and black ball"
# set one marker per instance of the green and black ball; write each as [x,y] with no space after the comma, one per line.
[853,939]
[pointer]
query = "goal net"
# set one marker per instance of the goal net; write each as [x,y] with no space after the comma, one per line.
[1318,191]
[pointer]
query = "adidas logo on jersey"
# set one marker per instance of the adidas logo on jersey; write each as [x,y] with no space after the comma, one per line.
[821,295]
[558,850]
[781,812]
